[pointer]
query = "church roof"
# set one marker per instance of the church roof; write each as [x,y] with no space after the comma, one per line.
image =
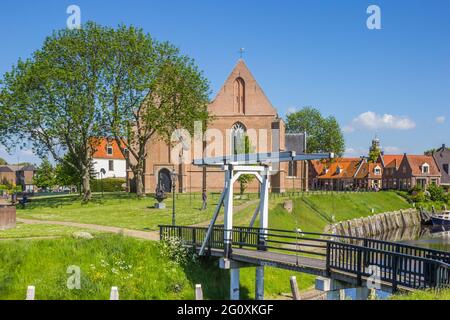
[255,100]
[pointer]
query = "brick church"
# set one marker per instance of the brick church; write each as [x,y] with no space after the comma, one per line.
[240,107]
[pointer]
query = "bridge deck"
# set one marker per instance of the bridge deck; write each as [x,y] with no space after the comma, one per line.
[278,260]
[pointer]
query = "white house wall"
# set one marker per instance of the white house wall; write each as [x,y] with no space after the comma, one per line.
[120,168]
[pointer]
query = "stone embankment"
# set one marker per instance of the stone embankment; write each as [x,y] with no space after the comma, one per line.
[377,225]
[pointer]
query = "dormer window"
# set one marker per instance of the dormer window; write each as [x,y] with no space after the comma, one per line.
[338,170]
[425,168]
[109,150]
[377,170]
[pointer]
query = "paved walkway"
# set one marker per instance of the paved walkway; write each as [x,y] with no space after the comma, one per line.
[154,235]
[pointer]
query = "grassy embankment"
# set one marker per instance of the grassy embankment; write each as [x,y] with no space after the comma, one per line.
[425,295]
[310,214]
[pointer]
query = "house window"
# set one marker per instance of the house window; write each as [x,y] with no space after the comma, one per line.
[111,165]
[109,150]
[445,167]
[425,168]
[377,171]
[292,171]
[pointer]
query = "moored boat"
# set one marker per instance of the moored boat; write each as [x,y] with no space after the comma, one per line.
[441,219]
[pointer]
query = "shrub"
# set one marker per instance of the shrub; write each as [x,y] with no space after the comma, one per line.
[109,185]
[437,193]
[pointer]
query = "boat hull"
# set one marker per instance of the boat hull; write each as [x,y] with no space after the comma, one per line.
[440,222]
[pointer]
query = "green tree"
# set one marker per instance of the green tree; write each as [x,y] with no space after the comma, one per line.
[3,162]
[45,177]
[324,134]
[245,179]
[67,175]
[52,99]
[150,90]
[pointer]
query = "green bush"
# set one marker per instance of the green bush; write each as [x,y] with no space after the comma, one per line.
[437,193]
[109,185]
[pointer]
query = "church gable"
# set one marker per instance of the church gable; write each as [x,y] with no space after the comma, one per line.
[241,95]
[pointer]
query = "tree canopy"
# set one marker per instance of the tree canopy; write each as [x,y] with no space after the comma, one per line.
[324,134]
[95,82]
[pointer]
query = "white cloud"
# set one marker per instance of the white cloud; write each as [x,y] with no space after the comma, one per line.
[391,149]
[291,110]
[355,152]
[440,120]
[372,121]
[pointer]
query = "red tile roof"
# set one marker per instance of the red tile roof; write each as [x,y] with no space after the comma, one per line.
[392,160]
[347,168]
[367,170]
[101,151]
[416,163]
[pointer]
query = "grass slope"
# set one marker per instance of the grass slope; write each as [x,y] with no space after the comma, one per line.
[424,295]
[141,270]
[138,268]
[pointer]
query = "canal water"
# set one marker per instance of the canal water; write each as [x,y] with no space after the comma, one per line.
[429,237]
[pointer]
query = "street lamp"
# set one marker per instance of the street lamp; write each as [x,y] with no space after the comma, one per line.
[102,173]
[174,177]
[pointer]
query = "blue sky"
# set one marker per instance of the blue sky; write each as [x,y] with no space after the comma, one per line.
[394,81]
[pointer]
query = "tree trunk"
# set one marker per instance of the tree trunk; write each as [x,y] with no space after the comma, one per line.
[139,177]
[87,195]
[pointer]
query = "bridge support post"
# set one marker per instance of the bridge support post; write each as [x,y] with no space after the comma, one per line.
[234,283]
[259,283]
[362,293]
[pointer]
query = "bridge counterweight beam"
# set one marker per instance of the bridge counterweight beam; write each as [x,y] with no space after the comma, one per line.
[228,213]
[264,209]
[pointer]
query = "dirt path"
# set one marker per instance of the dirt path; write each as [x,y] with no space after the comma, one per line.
[154,235]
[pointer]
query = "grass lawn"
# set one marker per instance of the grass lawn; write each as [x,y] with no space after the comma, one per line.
[120,210]
[141,270]
[39,230]
[424,295]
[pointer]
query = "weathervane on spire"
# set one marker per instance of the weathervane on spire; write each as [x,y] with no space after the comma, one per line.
[241,52]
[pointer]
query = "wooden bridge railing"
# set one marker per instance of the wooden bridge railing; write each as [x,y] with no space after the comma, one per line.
[397,264]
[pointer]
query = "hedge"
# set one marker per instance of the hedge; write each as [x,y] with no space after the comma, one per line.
[109,185]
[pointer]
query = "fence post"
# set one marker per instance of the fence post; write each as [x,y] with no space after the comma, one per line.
[328,262]
[31,290]
[194,238]
[359,267]
[294,288]
[114,295]
[198,292]
[394,273]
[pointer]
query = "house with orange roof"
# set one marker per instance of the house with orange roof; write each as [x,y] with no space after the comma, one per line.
[369,176]
[336,175]
[390,164]
[109,159]
[418,170]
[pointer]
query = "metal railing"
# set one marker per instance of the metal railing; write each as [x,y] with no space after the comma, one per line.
[398,264]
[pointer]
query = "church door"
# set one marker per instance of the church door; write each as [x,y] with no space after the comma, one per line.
[165,180]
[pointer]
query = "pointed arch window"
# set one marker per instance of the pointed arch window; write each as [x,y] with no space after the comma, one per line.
[238,131]
[239,96]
